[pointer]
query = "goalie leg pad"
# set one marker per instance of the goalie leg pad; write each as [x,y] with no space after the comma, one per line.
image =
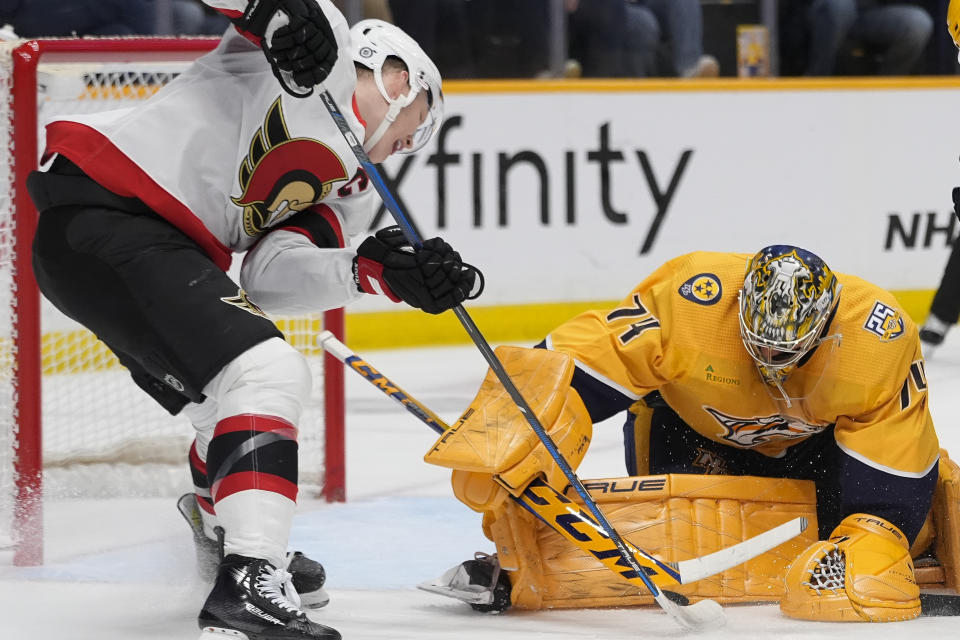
[674,517]
[946,519]
[862,573]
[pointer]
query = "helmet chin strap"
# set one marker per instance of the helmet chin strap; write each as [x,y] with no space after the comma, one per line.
[396,104]
[388,119]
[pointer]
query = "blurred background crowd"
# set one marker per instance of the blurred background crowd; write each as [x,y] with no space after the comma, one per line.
[586,38]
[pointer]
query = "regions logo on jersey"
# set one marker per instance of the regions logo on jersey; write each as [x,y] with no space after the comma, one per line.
[752,432]
[282,175]
[703,288]
[885,322]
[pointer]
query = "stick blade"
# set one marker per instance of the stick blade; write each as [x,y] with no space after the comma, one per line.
[699,616]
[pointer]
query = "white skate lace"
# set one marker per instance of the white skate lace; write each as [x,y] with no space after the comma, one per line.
[829,573]
[275,585]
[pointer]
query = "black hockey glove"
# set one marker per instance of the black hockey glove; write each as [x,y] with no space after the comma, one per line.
[432,278]
[303,50]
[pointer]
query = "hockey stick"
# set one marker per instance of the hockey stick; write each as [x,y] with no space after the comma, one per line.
[567,518]
[701,614]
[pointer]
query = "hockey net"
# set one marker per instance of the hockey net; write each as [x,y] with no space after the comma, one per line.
[73,422]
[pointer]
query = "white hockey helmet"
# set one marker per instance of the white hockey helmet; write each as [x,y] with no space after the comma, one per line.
[372,41]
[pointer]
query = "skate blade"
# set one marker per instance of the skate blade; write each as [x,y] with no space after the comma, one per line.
[478,595]
[218,633]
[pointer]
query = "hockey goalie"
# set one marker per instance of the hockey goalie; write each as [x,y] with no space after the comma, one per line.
[755,389]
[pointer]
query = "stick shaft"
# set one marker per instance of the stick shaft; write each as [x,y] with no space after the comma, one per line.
[341,352]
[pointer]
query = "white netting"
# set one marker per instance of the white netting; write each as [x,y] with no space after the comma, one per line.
[102,435]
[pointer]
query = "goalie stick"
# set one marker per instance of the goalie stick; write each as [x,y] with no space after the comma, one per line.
[699,615]
[567,518]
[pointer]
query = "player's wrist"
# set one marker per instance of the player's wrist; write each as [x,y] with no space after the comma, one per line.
[368,277]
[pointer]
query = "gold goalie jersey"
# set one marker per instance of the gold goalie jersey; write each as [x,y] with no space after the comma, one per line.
[678,333]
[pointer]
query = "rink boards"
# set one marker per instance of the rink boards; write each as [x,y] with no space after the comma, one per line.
[567,193]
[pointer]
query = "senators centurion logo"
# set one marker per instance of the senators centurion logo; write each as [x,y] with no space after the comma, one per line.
[751,432]
[282,175]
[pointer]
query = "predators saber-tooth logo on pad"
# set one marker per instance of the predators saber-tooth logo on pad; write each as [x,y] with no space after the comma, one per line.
[282,175]
[750,432]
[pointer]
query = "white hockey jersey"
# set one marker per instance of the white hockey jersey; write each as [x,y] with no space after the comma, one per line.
[223,153]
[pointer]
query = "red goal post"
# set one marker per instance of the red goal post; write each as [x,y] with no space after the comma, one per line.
[59,386]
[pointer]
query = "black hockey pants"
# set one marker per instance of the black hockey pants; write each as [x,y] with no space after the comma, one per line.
[144,288]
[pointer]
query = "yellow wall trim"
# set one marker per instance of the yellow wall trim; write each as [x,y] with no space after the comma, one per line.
[590,85]
[523,325]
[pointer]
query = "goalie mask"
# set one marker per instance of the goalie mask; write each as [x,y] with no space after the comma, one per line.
[787,299]
[372,42]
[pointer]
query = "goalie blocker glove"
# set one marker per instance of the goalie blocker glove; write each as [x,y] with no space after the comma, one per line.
[296,38]
[432,278]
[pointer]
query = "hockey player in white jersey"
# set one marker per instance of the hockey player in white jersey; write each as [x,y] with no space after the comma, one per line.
[142,210]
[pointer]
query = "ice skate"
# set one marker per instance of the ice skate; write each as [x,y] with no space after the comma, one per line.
[478,582]
[932,334]
[209,551]
[308,575]
[308,579]
[254,600]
